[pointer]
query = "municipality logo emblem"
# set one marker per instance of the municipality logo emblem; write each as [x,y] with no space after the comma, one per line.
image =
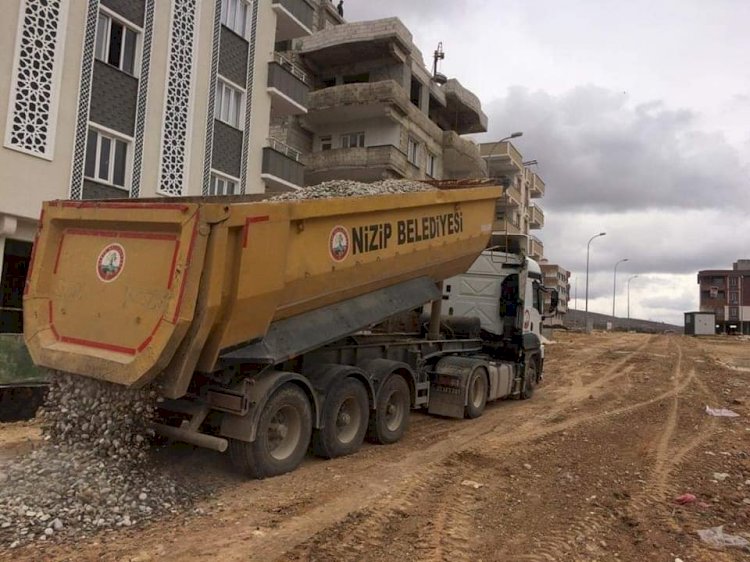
[110,263]
[338,243]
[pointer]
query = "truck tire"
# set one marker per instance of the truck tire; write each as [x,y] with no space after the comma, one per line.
[392,413]
[282,439]
[530,376]
[345,415]
[477,394]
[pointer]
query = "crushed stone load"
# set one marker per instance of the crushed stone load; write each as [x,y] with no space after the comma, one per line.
[92,470]
[348,188]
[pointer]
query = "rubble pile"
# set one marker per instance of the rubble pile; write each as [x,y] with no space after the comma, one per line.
[92,470]
[348,188]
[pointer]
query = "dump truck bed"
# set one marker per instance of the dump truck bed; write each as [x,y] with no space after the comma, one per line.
[125,290]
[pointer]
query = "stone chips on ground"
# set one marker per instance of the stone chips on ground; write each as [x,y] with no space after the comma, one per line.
[92,470]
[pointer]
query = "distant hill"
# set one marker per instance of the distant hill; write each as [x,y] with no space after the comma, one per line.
[574,319]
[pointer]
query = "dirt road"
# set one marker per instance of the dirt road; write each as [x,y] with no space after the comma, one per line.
[586,470]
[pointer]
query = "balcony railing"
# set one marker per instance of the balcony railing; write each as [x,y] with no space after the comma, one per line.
[294,18]
[510,226]
[511,197]
[537,186]
[536,217]
[536,248]
[288,85]
[361,163]
[292,68]
[502,158]
[282,167]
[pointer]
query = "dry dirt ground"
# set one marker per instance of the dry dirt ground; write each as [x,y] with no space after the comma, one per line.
[586,470]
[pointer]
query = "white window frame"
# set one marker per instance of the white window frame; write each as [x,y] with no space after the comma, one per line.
[358,138]
[326,140]
[114,16]
[413,151]
[222,87]
[229,10]
[431,164]
[112,135]
[217,176]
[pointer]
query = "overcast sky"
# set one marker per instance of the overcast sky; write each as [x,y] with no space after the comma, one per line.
[639,115]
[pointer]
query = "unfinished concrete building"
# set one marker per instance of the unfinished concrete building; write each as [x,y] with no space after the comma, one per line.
[374,111]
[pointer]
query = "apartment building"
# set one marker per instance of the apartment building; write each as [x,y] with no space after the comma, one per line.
[137,98]
[556,277]
[518,211]
[374,111]
[726,293]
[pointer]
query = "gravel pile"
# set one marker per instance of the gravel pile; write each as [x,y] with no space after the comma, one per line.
[347,188]
[93,470]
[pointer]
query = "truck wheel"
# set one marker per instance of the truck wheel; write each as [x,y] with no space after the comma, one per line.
[392,414]
[345,416]
[477,394]
[529,378]
[283,435]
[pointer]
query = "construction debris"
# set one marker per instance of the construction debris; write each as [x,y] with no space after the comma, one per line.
[91,471]
[347,188]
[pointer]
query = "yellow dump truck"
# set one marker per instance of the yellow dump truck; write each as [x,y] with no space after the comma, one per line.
[254,317]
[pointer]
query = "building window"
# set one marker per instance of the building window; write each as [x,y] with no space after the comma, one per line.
[223,185]
[326,142]
[234,15]
[413,152]
[734,297]
[116,43]
[106,158]
[353,140]
[229,103]
[732,281]
[431,164]
[734,312]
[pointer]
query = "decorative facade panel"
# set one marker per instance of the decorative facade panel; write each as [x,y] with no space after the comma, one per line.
[84,98]
[212,99]
[249,95]
[140,116]
[178,106]
[36,77]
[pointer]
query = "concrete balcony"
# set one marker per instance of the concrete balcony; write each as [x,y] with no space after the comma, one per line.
[536,186]
[463,110]
[536,217]
[503,159]
[461,158]
[347,102]
[294,18]
[506,225]
[288,86]
[282,168]
[511,198]
[367,164]
[536,248]
[351,43]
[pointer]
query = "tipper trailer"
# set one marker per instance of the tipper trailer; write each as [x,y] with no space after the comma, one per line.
[253,317]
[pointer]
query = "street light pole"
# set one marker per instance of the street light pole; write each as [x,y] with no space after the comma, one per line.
[629,280]
[614,291]
[588,248]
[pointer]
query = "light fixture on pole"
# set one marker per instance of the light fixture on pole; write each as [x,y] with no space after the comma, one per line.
[614,290]
[629,280]
[588,248]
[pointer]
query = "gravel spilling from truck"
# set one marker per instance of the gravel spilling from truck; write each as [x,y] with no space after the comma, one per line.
[348,188]
[92,471]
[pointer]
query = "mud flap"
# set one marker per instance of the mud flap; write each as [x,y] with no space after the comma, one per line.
[449,385]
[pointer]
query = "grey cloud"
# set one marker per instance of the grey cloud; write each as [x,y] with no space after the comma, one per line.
[605,155]
[408,11]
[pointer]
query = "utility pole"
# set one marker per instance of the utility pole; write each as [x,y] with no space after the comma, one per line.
[629,280]
[614,291]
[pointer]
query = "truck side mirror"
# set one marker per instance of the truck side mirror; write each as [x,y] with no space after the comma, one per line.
[554,300]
